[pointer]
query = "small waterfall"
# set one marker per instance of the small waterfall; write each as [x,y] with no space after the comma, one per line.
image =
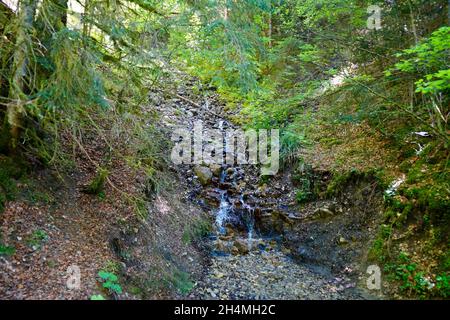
[223,176]
[228,212]
[250,221]
[222,214]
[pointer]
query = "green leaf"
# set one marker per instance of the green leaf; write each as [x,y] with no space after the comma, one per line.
[107,276]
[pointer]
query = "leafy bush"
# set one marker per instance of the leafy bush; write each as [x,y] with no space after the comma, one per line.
[415,282]
[428,65]
[443,285]
[110,282]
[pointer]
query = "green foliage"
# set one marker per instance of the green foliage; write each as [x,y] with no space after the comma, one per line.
[110,282]
[340,181]
[427,60]
[10,171]
[290,143]
[415,282]
[428,64]
[426,190]
[37,238]
[378,250]
[96,186]
[112,267]
[443,285]
[97,297]
[7,250]
[304,180]
[181,281]
[196,230]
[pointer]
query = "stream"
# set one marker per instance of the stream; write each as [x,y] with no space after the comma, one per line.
[248,256]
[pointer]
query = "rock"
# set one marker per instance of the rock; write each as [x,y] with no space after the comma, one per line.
[226,238]
[220,246]
[212,293]
[216,169]
[240,246]
[230,171]
[323,212]
[204,174]
[213,197]
[225,185]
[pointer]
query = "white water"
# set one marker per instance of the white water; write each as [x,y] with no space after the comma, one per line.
[395,185]
[250,223]
[222,214]
[225,209]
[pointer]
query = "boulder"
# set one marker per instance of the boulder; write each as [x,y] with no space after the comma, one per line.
[204,175]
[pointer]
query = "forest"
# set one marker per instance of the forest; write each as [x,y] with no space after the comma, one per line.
[93,207]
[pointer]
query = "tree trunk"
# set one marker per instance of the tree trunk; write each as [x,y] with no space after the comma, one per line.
[15,110]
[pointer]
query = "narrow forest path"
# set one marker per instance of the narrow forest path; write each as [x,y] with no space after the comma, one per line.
[245,263]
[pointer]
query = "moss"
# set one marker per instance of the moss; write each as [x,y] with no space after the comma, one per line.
[140,208]
[198,229]
[5,138]
[181,281]
[421,207]
[98,183]
[378,251]
[10,171]
[340,181]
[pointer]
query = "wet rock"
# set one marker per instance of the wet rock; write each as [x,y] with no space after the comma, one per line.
[230,171]
[204,174]
[213,197]
[225,185]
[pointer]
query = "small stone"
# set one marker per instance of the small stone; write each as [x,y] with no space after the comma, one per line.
[323,212]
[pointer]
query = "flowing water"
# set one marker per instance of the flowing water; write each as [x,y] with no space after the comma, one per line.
[248,259]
